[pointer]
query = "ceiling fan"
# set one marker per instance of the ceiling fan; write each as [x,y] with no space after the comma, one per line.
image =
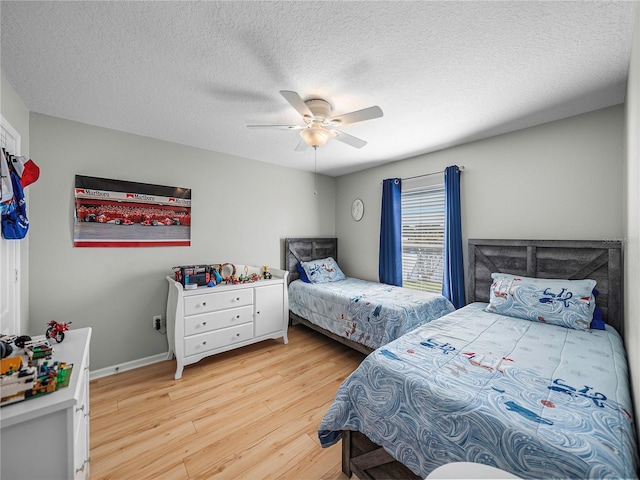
[320,126]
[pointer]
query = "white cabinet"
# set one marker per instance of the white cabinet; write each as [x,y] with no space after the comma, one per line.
[48,437]
[269,309]
[211,320]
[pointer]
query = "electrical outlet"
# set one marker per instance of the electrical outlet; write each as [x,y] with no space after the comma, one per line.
[159,324]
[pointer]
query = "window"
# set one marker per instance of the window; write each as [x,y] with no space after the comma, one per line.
[423,218]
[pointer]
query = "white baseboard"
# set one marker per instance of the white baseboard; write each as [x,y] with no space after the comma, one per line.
[123,367]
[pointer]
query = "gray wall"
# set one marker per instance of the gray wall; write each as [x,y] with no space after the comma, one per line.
[632,218]
[241,211]
[560,180]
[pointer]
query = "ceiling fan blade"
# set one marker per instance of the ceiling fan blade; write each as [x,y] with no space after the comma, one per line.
[302,145]
[278,127]
[348,139]
[359,115]
[296,102]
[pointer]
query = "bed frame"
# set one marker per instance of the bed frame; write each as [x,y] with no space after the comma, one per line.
[305,250]
[570,259]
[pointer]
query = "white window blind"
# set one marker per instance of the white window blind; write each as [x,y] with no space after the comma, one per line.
[423,216]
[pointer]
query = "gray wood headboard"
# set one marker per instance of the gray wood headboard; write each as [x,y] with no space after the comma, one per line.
[570,259]
[305,250]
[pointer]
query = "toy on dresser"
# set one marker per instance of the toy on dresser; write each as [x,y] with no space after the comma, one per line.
[266,274]
[191,277]
[27,371]
[56,330]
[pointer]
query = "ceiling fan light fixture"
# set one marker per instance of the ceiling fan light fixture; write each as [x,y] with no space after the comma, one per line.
[319,124]
[315,136]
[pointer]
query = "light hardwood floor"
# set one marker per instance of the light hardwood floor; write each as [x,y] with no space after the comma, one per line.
[251,413]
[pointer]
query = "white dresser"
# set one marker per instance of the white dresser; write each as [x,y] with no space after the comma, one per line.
[48,437]
[211,320]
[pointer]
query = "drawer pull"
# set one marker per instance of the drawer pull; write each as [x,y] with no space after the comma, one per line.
[81,469]
[204,323]
[237,334]
[204,304]
[258,312]
[204,343]
[237,299]
[237,316]
[81,409]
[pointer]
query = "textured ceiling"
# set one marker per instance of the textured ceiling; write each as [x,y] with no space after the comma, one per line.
[196,73]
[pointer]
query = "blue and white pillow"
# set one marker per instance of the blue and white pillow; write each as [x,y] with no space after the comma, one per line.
[323,270]
[567,303]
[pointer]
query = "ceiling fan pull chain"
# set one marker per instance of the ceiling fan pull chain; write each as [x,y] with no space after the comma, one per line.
[315,170]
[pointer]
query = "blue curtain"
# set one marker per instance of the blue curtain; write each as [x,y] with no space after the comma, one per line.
[453,281]
[390,263]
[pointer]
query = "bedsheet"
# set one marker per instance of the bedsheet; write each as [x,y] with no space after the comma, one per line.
[536,400]
[369,313]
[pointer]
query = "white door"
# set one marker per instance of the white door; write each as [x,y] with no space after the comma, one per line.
[9,252]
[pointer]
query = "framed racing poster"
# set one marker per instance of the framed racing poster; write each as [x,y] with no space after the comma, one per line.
[117,213]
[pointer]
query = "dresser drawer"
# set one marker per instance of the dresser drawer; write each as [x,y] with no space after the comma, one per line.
[214,320]
[219,338]
[210,302]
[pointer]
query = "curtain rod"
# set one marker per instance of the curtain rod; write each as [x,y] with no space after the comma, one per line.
[461,168]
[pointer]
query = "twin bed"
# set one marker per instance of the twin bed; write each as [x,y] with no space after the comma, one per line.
[362,314]
[535,399]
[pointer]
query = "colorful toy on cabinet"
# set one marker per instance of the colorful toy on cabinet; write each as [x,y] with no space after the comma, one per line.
[216,274]
[38,349]
[266,274]
[5,345]
[30,373]
[56,330]
[246,278]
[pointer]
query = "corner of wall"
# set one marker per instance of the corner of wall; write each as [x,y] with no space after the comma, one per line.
[631,227]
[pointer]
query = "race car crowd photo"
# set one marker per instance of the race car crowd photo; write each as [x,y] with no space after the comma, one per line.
[130,214]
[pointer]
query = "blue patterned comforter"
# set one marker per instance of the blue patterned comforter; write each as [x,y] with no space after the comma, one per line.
[369,313]
[536,400]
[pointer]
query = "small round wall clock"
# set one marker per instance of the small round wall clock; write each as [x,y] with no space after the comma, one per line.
[357,209]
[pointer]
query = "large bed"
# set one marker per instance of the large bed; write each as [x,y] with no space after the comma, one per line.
[361,314]
[534,399]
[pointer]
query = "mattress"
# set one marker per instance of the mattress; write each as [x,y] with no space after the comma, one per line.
[369,313]
[536,400]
